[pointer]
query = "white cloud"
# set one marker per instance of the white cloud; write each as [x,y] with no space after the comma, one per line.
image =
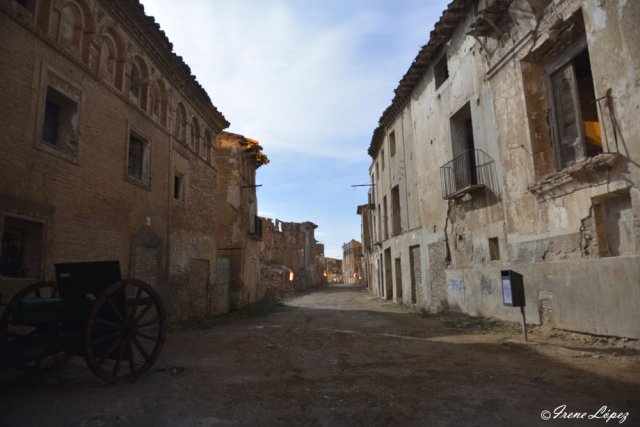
[277,77]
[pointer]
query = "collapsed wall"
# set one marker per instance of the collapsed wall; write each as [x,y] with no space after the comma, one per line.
[291,259]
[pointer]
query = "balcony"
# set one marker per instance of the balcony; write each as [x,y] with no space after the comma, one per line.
[469,171]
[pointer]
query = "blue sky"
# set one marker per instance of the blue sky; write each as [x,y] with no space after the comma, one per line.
[309,79]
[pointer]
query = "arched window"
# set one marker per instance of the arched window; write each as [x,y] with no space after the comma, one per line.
[180,125]
[138,83]
[207,145]
[195,135]
[107,60]
[71,28]
[158,102]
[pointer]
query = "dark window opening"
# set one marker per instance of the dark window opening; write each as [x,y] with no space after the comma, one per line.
[382,158]
[60,122]
[392,143]
[177,187]
[385,218]
[494,249]
[441,71]
[395,211]
[463,146]
[138,159]
[21,250]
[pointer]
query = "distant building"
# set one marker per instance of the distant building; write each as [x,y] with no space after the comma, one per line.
[334,270]
[293,245]
[352,263]
[366,231]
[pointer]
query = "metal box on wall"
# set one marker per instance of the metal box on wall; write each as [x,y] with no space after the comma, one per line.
[512,288]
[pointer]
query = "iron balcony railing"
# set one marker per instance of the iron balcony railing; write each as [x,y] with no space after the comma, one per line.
[468,171]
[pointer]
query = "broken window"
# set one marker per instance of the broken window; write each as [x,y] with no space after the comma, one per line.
[575,126]
[60,127]
[21,251]
[138,159]
[441,71]
[392,143]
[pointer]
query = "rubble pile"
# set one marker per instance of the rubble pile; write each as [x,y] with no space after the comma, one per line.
[276,278]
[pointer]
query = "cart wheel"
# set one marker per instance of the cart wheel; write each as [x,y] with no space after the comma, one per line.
[125,331]
[32,358]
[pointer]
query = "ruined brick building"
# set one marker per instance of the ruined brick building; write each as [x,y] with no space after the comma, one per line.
[292,245]
[352,263]
[108,150]
[240,232]
[334,270]
[512,142]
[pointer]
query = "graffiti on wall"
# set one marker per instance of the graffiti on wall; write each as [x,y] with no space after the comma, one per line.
[486,285]
[457,285]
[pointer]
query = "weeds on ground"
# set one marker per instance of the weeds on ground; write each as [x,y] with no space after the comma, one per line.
[464,322]
[253,311]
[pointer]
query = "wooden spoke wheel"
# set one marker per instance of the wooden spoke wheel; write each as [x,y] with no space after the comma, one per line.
[125,331]
[30,355]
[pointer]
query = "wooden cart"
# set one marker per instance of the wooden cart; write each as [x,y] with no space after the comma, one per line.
[118,326]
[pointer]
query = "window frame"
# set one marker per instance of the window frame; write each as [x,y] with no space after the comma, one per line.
[73,94]
[562,62]
[42,224]
[144,180]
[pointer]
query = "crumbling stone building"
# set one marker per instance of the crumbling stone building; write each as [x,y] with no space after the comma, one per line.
[334,270]
[512,143]
[293,245]
[352,262]
[108,147]
[240,232]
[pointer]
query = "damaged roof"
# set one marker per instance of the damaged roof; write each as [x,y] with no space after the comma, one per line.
[452,16]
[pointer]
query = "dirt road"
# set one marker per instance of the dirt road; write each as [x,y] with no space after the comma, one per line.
[339,357]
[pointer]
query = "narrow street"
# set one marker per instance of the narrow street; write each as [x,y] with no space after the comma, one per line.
[339,357]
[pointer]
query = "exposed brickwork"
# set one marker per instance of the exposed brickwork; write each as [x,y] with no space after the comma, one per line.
[293,245]
[89,207]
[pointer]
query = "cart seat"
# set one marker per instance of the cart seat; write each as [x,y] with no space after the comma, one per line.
[79,279]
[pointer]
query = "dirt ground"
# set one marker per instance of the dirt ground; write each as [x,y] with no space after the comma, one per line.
[340,357]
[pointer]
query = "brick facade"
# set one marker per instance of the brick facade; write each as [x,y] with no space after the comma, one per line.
[99,117]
